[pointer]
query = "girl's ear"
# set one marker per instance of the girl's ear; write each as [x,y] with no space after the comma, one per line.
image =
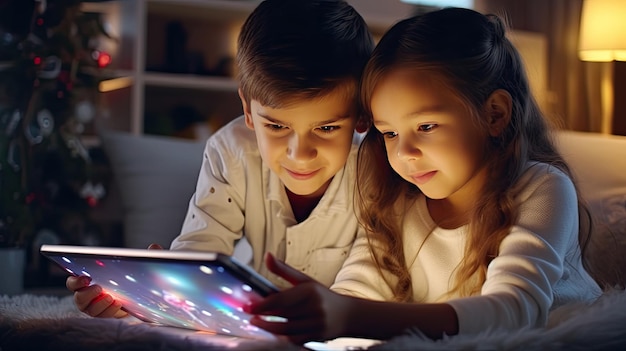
[246,110]
[499,107]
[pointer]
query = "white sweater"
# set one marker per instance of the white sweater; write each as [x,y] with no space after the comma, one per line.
[538,267]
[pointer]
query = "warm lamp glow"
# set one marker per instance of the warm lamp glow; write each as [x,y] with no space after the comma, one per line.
[603,31]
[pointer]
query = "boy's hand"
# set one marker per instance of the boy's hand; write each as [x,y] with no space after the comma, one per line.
[92,300]
[313,312]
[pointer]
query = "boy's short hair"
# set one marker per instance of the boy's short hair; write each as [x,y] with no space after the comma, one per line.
[299,49]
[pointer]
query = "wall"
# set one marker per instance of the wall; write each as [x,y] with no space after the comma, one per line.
[619,90]
[574,86]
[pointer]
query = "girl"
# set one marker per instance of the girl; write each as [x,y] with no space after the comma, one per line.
[473,221]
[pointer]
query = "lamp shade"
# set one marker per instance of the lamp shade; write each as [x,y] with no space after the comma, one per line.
[603,30]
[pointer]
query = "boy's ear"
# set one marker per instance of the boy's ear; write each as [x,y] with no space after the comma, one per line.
[246,110]
[361,124]
[499,107]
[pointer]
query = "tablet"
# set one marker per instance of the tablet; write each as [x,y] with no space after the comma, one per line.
[202,291]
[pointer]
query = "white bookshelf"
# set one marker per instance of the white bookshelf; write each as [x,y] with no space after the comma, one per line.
[141,85]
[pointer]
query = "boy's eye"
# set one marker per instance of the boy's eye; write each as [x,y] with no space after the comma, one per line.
[328,129]
[426,127]
[274,127]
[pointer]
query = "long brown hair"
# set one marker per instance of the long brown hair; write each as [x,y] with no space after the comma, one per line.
[472,55]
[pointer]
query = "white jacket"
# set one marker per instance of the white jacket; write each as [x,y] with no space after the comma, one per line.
[238,195]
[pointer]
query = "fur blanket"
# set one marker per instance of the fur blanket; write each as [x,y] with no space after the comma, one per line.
[29,322]
[48,323]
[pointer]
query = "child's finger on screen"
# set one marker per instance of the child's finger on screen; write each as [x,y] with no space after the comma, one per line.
[285,271]
[297,331]
[286,303]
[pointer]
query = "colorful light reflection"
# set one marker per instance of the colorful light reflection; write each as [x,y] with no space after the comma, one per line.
[203,297]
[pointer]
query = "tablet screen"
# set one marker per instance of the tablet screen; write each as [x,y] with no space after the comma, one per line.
[193,290]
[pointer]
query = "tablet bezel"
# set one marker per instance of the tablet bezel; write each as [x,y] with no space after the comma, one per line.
[235,269]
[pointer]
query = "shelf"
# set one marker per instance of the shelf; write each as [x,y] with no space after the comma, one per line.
[190,81]
[178,108]
[214,10]
[107,73]
[172,53]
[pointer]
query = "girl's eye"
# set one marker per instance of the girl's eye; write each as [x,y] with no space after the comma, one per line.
[389,135]
[329,129]
[427,127]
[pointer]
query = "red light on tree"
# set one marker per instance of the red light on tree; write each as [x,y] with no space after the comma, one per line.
[103,59]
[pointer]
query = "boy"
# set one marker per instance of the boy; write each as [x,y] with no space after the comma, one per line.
[282,175]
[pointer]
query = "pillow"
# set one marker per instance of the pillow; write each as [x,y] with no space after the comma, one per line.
[597,160]
[599,163]
[608,244]
[156,176]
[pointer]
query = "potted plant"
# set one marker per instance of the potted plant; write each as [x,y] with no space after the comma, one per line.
[16,225]
[12,256]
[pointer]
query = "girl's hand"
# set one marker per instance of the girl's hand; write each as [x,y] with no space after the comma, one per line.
[313,312]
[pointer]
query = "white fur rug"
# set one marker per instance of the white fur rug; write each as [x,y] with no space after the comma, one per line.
[46,323]
[597,326]
[29,322]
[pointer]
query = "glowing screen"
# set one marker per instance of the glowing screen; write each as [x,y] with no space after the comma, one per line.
[193,294]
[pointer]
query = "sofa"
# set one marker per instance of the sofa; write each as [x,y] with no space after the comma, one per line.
[599,163]
[156,177]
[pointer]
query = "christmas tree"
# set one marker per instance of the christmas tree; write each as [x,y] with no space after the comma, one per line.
[50,68]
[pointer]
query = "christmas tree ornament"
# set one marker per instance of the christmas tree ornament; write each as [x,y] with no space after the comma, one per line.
[84,111]
[33,133]
[45,120]
[13,120]
[41,6]
[76,148]
[92,193]
[13,155]
[50,68]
